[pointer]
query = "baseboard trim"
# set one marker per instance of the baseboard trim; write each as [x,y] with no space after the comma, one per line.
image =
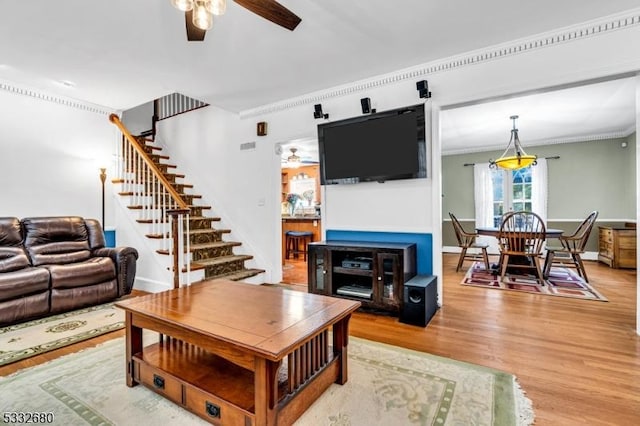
[151,286]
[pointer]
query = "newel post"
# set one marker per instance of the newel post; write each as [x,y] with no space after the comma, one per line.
[178,247]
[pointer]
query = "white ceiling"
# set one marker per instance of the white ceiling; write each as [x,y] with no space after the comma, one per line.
[595,111]
[123,53]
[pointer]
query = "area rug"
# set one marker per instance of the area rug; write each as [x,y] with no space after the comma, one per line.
[562,282]
[42,335]
[386,386]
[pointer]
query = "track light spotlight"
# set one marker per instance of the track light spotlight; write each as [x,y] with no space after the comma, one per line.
[317,113]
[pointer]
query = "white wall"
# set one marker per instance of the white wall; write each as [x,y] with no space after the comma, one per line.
[51,155]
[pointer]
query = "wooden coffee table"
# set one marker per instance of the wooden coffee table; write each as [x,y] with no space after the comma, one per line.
[238,354]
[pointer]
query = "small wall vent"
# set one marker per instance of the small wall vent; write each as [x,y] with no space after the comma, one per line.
[247,145]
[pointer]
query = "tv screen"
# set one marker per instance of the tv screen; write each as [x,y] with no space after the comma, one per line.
[383,146]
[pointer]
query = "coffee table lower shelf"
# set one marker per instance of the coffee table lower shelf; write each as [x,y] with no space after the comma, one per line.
[218,390]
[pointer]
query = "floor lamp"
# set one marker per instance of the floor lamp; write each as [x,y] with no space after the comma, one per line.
[103,178]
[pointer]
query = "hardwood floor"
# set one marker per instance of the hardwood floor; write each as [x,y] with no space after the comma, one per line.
[578,360]
[294,271]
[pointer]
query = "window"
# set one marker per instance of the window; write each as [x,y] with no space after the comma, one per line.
[512,191]
[498,191]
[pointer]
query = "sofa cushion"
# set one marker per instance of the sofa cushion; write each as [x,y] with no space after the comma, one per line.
[96,234]
[23,282]
[12,259]
[56,240]
[66,299]
[23,308]
[10,232]
[93,271]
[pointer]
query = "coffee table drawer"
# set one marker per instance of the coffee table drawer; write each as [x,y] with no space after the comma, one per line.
[160,381]
[216,410]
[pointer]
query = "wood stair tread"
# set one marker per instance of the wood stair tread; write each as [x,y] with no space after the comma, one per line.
[215,244]
[221,260]
[191,206]
[209,230]
[194,232]
[213,219]
[237,275]
[132,193]
[204,246]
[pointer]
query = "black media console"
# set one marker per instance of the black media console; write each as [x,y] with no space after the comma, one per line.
[371,272]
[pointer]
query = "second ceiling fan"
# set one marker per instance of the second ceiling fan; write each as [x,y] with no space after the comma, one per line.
[199,14]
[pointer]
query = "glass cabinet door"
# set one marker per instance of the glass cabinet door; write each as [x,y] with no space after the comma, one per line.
[388,278]
[318,277]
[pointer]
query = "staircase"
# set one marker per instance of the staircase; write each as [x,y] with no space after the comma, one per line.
[199,244]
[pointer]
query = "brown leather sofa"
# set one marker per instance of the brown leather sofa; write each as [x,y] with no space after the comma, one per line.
[56,264]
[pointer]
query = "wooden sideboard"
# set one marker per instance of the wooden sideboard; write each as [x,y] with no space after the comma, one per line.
[617,246]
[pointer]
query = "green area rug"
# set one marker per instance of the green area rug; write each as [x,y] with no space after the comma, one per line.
[42,335]
[387,386]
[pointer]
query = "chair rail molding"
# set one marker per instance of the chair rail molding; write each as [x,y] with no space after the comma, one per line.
[593,28]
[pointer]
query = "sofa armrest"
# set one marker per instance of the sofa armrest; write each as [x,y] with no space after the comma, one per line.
[125,259]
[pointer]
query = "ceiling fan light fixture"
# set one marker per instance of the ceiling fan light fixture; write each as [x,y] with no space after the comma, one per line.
[217,7]
[201,16]
[519,159]
[293,160]
[183,5]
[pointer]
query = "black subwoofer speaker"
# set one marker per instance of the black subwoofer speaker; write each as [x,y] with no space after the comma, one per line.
[420,300]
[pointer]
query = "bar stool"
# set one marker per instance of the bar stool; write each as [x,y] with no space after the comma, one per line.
[296,243]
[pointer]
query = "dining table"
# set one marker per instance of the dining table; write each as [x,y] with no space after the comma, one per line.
[493,232]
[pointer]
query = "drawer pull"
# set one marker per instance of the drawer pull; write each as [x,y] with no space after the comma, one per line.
[158,381]
[212,409]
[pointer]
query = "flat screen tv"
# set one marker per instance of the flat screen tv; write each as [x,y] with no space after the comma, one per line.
[377,147]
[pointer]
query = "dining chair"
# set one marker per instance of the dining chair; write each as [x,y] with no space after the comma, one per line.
[521,239]
[466,241]
[568,254]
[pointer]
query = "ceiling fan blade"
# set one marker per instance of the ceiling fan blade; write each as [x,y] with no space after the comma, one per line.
[272,11]
[193,33]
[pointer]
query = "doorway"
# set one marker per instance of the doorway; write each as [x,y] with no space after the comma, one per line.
[300,206]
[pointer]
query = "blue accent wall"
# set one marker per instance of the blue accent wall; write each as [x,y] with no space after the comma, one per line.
[424,243]
[110,238]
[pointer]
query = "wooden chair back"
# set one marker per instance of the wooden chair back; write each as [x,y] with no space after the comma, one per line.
[465,239]
[576,242]
[522,233]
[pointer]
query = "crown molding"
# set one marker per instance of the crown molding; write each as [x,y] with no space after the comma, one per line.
[56,99]
[594,28]
[541,142]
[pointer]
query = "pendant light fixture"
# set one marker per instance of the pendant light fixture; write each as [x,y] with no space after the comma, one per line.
[519,159]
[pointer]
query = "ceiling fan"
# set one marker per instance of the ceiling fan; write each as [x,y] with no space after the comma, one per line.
[199,14]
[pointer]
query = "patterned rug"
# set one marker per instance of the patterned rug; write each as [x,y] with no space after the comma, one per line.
[46,334]
[387,385]
[562,282]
